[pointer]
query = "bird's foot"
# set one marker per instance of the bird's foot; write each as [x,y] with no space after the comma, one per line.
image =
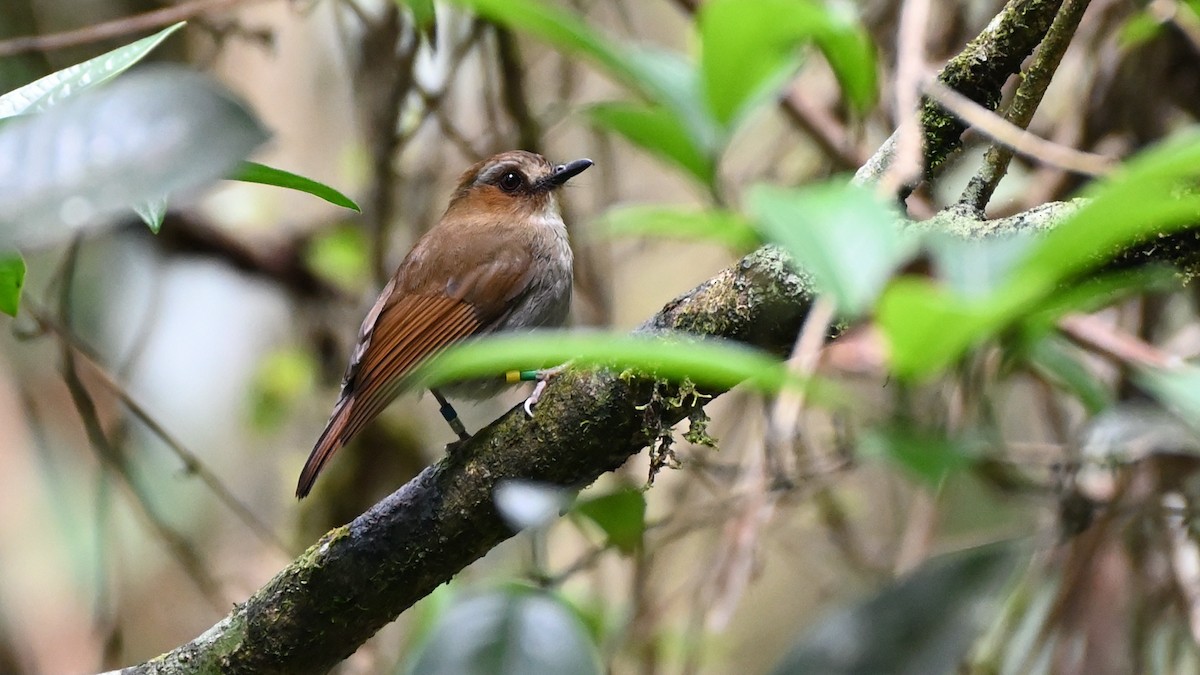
[543,378]
[451,416]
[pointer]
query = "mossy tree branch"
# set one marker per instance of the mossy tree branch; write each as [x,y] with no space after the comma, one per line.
[359,577]
[978,72]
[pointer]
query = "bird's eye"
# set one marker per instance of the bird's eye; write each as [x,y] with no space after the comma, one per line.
[511,181]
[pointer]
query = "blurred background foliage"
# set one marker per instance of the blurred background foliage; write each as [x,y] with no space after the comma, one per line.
[993,473]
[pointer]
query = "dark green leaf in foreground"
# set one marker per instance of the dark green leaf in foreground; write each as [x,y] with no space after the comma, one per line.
[253,172]
[149,134]
[621,515]
[12,280]
[922,624]
[508,632]
[705,362]
[74,80]
[843,234]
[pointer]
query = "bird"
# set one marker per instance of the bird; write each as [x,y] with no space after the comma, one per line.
[498,260]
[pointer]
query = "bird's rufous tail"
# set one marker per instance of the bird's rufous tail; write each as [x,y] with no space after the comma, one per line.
[329,442]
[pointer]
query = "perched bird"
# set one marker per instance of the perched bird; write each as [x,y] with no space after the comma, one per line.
[498,260]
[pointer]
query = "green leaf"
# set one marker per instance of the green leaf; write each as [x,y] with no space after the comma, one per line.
[253,172]
[1138,28]
[423,12]
[691,137]
[1093,294]
[621,515]
[927,457]
[705,362]
[847,47]
[727,228]
[507,632]
[749,47]
[928,328]
[570,34]
[12,280]
[672,82]
[842,234]
[152,212]
[976,268]
[1148,197]
[151,133]
[69,82]
[923,623]
[658,131]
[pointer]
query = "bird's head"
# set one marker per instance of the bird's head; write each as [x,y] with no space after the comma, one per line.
[515,183]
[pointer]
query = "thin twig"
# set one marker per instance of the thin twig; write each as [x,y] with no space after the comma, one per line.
[111,458]
[1026,100]
[185,554]
[192,463]
[117,27]
[829,135]
[1021,141]
[1093,334]
[908,161]
[513,94]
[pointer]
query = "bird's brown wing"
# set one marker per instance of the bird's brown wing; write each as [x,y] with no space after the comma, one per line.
[411,321]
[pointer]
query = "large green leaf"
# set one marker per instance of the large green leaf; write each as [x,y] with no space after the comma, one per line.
[748,47]
[723,227]
[842,234]
[621,515]
[658,131]
[12,280]
[976,268]
[253,172]
[708,363]
[508,632]
[149,134]
[928,327]
[68,82]
[922,624]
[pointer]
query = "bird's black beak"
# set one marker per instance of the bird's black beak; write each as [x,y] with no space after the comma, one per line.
[565,172]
